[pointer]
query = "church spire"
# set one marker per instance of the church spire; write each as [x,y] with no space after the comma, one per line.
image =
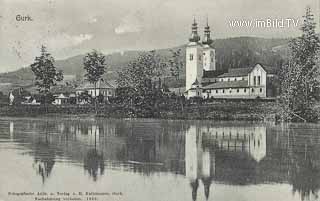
[194,34]
[207,35]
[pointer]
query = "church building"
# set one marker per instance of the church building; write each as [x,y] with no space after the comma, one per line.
[204,80]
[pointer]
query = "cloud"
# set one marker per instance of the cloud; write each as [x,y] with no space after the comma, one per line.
[130,24]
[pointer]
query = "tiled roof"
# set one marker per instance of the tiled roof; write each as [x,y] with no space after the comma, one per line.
[100,85]
[232,84]
[212,73]
[62,89]
[237,72]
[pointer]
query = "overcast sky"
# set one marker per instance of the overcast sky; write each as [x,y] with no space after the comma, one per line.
[71,27]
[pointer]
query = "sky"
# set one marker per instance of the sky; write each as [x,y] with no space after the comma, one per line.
[72,27]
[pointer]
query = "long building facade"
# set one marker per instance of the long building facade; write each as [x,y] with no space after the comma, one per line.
[204,80]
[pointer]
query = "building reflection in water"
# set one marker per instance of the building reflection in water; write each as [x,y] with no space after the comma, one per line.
[203,144]
[207,154]
[11,130]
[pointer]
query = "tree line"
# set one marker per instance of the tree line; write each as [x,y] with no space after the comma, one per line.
[141,83]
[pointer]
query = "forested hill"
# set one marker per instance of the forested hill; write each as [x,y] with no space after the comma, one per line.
[230,53]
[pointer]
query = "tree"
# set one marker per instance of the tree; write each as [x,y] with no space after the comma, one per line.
[137,82]
[176,66]
[299,77]
[46,74]
[94,64]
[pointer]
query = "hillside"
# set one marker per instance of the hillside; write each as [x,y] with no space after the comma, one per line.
[230,53]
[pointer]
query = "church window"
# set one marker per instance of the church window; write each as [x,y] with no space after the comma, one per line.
[237,90]
[191,57]
[245,90]
[252,90]
[230,91]
[254,80]
[235,79]
[259,80]
[216,91]
[260,90]
[223,91]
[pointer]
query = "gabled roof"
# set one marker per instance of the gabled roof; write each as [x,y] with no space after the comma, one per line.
[212,73]
[63,89]
[225,85]
[237,72]
[100,85]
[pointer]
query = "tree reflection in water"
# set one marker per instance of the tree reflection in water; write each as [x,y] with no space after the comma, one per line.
[93,162]
[44,157]
[304,168]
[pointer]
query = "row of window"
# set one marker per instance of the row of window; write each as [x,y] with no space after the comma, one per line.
[232,79]
[230,91]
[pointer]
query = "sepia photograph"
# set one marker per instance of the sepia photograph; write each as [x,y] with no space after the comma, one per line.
[159,100]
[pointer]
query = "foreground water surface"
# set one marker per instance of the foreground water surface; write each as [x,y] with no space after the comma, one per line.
[155,160]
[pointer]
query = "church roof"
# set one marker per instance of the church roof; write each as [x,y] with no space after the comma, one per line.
[237,72]
[212,73]
[224,85]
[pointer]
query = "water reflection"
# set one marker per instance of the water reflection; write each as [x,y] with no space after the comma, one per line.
[44,154]
[206,154]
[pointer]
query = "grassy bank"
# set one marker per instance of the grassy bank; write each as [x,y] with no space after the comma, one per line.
[217,110]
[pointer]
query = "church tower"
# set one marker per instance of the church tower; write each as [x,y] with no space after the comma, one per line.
[209,53]
[194,58]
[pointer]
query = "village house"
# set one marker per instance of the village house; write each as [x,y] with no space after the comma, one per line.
[205,81]
[63,94]
[22,96]
[102,88]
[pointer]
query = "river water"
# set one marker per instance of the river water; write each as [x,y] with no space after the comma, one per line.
[157,160]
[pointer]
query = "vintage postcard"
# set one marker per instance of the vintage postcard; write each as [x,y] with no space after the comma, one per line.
[159,100]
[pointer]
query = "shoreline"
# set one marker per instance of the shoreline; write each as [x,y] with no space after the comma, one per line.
[219,111]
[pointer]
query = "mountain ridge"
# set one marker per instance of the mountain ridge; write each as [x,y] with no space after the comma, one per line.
[230,53]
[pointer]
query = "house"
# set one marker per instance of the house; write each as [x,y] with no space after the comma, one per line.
[102,88]
[18,96]
[63,94]
[205,81]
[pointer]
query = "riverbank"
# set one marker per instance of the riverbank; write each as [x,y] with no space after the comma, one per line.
[253,110]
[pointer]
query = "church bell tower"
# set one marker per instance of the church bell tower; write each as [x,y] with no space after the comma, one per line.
[194,58]
[209,53]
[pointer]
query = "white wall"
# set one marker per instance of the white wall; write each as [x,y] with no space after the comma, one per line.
[258,71]
[209,59]
[194,68]
[242,93]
